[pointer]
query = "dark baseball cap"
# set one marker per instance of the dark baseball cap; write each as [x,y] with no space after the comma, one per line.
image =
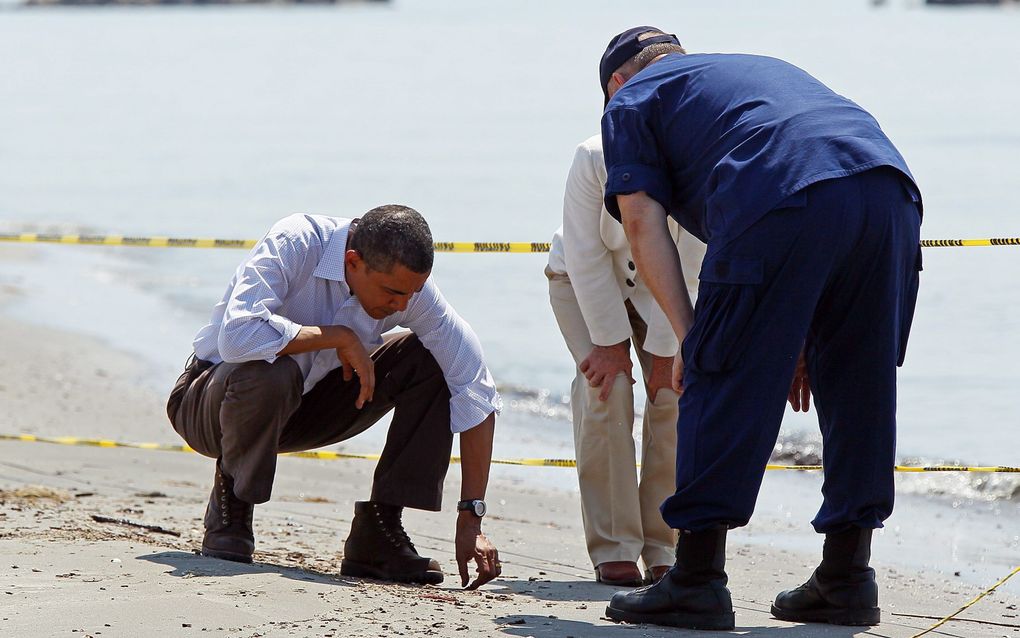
[625,46]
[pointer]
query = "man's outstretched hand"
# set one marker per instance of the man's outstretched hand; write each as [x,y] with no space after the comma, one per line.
[473,545]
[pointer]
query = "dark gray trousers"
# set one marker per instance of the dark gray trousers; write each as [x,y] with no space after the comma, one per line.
[244,414]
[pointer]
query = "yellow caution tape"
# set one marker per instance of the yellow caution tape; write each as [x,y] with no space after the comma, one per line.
[440,246]
[948,243]
[491,247]
[968,605]
[333,456]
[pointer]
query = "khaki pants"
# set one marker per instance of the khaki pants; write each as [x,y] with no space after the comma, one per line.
[619,508]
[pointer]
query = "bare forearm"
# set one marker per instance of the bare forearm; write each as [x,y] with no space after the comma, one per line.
[644,222]
[311,338]
[475,457]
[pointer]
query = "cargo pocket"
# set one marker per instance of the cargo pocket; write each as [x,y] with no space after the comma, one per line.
[727,298]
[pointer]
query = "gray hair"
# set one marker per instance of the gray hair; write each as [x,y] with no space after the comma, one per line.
[632,66]
[394,234]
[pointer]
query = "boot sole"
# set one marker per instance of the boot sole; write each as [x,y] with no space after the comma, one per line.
[849,617]
[711,622]
[215,553]
[364,570]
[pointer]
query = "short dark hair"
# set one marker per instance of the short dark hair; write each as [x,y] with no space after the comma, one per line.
[394,234]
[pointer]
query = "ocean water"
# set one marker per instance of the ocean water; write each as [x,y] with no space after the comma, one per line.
[217,121]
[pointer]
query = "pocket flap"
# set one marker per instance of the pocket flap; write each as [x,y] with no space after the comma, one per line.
[732,270]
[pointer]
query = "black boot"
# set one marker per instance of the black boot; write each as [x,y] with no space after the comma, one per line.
[691,595]
[842,590]
[378,547]
[228,532]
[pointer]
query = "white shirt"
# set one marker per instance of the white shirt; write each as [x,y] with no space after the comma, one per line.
[295,277]
[591,249]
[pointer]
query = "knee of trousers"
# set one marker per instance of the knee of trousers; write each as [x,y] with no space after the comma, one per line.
[612,417]
[262,383]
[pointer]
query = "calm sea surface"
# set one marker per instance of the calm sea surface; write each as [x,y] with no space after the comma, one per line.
[218,121]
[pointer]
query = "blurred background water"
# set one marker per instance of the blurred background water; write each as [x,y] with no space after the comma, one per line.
[216,121]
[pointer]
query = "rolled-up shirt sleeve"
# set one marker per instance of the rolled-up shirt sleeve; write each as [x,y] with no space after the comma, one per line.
[457,350]
[251,329]
[633,161]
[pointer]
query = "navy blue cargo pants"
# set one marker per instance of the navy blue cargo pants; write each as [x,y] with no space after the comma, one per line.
[834,270]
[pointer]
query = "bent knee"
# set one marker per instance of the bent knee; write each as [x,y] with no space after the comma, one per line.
[265,381]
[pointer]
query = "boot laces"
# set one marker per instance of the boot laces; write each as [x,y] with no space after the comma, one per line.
[230,505]
[393,527]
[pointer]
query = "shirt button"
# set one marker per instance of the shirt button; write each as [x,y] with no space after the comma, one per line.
[630,265]
[630,283]
[625,177]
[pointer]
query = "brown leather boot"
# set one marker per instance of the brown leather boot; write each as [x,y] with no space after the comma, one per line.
[378,547]
[228,532]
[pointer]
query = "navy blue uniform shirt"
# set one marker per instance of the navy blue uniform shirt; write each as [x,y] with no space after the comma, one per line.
[720,139]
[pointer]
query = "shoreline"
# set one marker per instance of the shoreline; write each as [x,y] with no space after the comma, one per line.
[50,493]
[152,305]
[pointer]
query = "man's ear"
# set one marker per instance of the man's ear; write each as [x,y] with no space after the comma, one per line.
[353,260]
[616,80]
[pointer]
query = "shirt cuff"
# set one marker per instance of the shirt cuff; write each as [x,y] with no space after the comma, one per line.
[468,409]
[288,331]
[631,178]
[604,335]
[661,345]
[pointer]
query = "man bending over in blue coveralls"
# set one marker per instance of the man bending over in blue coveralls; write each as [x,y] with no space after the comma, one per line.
[812,223]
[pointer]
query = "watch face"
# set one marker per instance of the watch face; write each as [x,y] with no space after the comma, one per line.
[479,508]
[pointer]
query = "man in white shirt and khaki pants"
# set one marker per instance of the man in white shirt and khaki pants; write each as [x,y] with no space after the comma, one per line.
[602,305]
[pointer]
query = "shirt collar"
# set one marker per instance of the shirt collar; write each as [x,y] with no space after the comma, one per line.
[331,264]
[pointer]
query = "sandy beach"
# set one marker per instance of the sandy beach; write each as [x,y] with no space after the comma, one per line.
[65,573]
[216,122]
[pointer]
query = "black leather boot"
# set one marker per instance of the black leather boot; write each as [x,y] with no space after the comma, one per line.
[691,595]
[378,547]
[228,532]
[842,590]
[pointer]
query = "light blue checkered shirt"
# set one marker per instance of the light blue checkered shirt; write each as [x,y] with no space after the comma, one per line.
[294,277]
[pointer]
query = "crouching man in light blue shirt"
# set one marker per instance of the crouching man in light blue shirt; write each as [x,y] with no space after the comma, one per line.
[294,358]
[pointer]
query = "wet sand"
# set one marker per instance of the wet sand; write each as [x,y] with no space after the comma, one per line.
[63,573]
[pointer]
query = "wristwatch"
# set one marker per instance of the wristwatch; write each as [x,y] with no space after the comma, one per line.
[475,506]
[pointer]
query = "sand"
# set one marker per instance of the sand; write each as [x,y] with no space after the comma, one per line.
[63,573]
